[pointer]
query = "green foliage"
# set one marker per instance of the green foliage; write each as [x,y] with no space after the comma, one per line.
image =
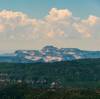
[22,91]
[79,73]
[73,80]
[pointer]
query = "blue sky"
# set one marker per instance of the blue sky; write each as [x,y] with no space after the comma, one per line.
[39,8]
[32,24]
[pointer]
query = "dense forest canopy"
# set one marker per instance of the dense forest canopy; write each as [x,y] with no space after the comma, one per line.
[81,73]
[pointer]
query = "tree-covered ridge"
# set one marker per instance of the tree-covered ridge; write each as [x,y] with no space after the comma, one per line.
[22,91]
[78,73]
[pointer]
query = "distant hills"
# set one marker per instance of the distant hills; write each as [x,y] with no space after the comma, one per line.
[48,54]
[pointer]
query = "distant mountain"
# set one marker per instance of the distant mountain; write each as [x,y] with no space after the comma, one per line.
[48,54]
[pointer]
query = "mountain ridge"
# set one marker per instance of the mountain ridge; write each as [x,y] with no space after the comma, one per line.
[48,54]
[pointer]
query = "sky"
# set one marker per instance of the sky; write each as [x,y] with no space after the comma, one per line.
[32,24]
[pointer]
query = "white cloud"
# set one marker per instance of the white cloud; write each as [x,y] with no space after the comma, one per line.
[88,27]
[56,15]
[92,20]
[2,28]
[59,23]
[16,25]
[82,29]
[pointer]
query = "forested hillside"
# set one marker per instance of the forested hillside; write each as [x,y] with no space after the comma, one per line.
[78,73]
[22,91]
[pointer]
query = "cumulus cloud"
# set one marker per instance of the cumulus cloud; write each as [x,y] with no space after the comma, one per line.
[82,29]
[92,20]
[56,15]
[16,25]
[88,27]
[2,28]
[59,23]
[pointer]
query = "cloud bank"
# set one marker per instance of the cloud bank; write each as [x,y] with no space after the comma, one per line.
[58,24]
